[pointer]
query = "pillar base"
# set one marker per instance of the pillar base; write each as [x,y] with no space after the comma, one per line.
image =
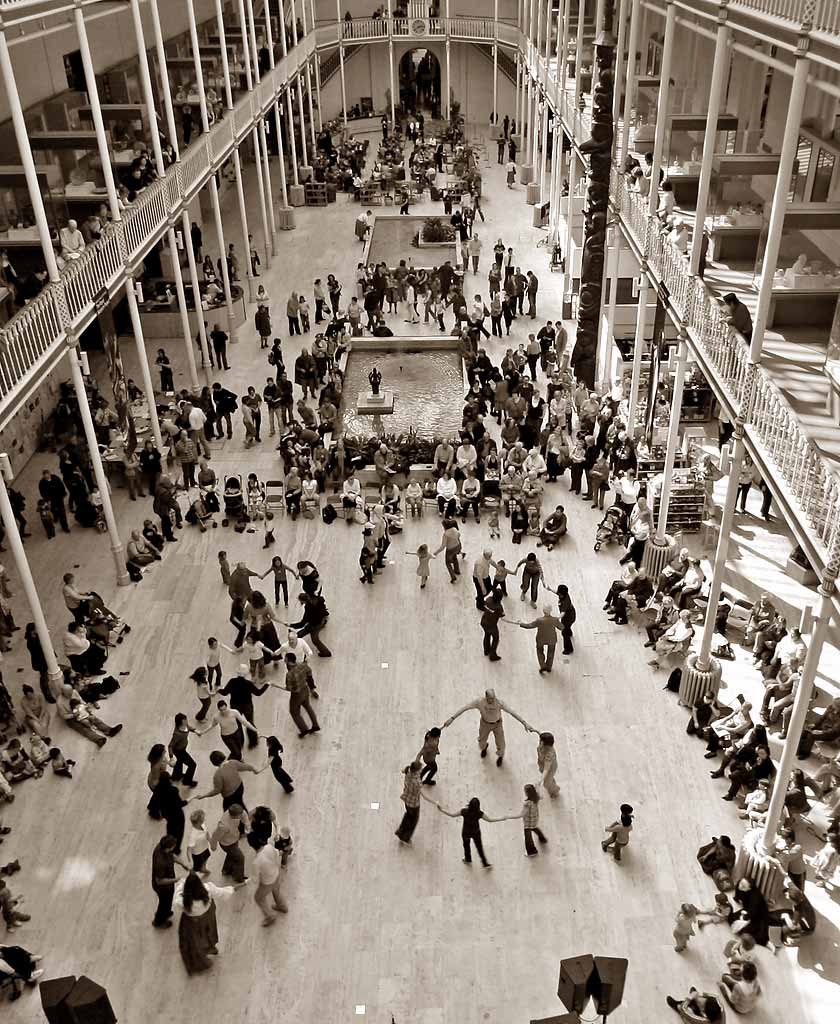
[517,140]
[697,682]
[55,681]
[532,195]
[297,196]
[526,174]
[755,864]
[305,173]
[657,555]
[285,218]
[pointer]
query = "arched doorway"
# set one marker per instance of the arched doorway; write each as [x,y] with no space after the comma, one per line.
[419,77]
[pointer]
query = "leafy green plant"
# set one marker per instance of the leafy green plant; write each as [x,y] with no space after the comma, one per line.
[436,230]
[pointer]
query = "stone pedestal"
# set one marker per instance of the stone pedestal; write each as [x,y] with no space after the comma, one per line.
[377,406]
[285,218]
[297,197]
[526,174]
[532,196]
[755,864]
[305,173]
[696,682]
[657,555]
[517,141]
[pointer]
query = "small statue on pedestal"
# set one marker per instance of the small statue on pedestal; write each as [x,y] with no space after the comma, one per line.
[375,378]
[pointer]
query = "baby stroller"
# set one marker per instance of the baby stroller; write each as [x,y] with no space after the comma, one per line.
[234,503]
[612,529]
[255,492]
[104,626]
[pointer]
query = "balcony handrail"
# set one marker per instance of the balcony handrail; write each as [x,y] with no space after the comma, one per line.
[824,18]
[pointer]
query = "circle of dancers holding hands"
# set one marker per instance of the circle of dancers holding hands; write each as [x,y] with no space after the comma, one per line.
[423,769]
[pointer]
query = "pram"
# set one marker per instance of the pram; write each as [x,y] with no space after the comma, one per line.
[234,503]
[105,626]
[255,492]
[612,529]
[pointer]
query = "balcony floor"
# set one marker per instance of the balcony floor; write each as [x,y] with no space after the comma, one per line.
[411,932]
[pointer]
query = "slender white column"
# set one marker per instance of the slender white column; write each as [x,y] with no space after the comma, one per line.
[563,49]
[237,159]
[638,348]
[261,145]
[317,66]
[26,158]
[391,62]
[673,440]
[567,247]
[798,715]
[579,49]
[736,461]
[312,138]
[612,262]
[496,62]
[13,539]
[544,154]
[101,479]
[205,128]
[171,237]
[630,86]
[621,15]
[291,120]
[341,63]
[196,289]
[787,156]
[134,312]
[445,106]
[662,103]
[302,113]
[277,124]
[720,73]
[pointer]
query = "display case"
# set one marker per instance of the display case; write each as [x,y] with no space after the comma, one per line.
[17,217]
[687,503]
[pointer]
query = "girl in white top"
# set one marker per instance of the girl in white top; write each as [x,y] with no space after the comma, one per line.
[446,491]
[198,843]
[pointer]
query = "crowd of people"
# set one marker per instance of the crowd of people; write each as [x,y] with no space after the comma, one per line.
[526,421]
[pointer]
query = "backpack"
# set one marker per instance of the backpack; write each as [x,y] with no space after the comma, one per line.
[674,680]
[329,514]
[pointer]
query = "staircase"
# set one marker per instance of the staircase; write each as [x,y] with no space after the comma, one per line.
[507,65]
[332,62]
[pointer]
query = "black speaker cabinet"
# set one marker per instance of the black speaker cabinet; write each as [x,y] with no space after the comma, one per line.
[53,995]
[573,987]
[564,1018]
[88,1003]
[610,972]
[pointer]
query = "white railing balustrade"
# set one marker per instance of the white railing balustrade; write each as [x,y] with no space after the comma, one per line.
[365,28]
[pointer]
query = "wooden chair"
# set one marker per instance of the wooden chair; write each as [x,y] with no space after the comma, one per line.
[275,496]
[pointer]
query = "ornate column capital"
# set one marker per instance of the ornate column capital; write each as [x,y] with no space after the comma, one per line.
[71,340]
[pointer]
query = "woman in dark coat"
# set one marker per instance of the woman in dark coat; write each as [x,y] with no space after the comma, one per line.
[168,799]
[753,912]
[38,661]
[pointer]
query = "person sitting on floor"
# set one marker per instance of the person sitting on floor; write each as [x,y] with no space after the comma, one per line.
[697,1006]
[554,527]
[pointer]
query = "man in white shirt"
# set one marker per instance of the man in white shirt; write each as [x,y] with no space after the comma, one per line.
[267,866]
[790,648]
[72,241]
[197,419]
[75,599]
[350,492]
[466,458]
[294,645]
[626,490]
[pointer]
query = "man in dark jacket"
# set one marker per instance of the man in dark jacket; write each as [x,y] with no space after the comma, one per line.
[568,616]
[165,506]
[226,404]
[53,490]
[219,339]
[314,618]
[242,690]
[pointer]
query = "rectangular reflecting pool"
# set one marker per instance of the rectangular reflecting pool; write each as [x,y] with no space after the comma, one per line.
[390,242]
[428,390]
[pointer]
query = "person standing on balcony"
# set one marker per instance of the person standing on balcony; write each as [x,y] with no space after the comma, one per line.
[72,241]
[739,316]
[502,146]
[511,166]
[197,241]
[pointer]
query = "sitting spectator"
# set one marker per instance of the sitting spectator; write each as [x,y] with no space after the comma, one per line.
[686,589]
[675,640]
[16,763]
[72,241]
[750,770]
[761,615]
[446,490]
[78,716]
[351,491]
[61,765]
[674,571]
[554,527]
[8,908]
[702,716]
[85,658]
[139,551]
[825,728]
[665,616]
[640,591]
[19,965]
[797,922]
[698,1006]
[742,993]
[470,496]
